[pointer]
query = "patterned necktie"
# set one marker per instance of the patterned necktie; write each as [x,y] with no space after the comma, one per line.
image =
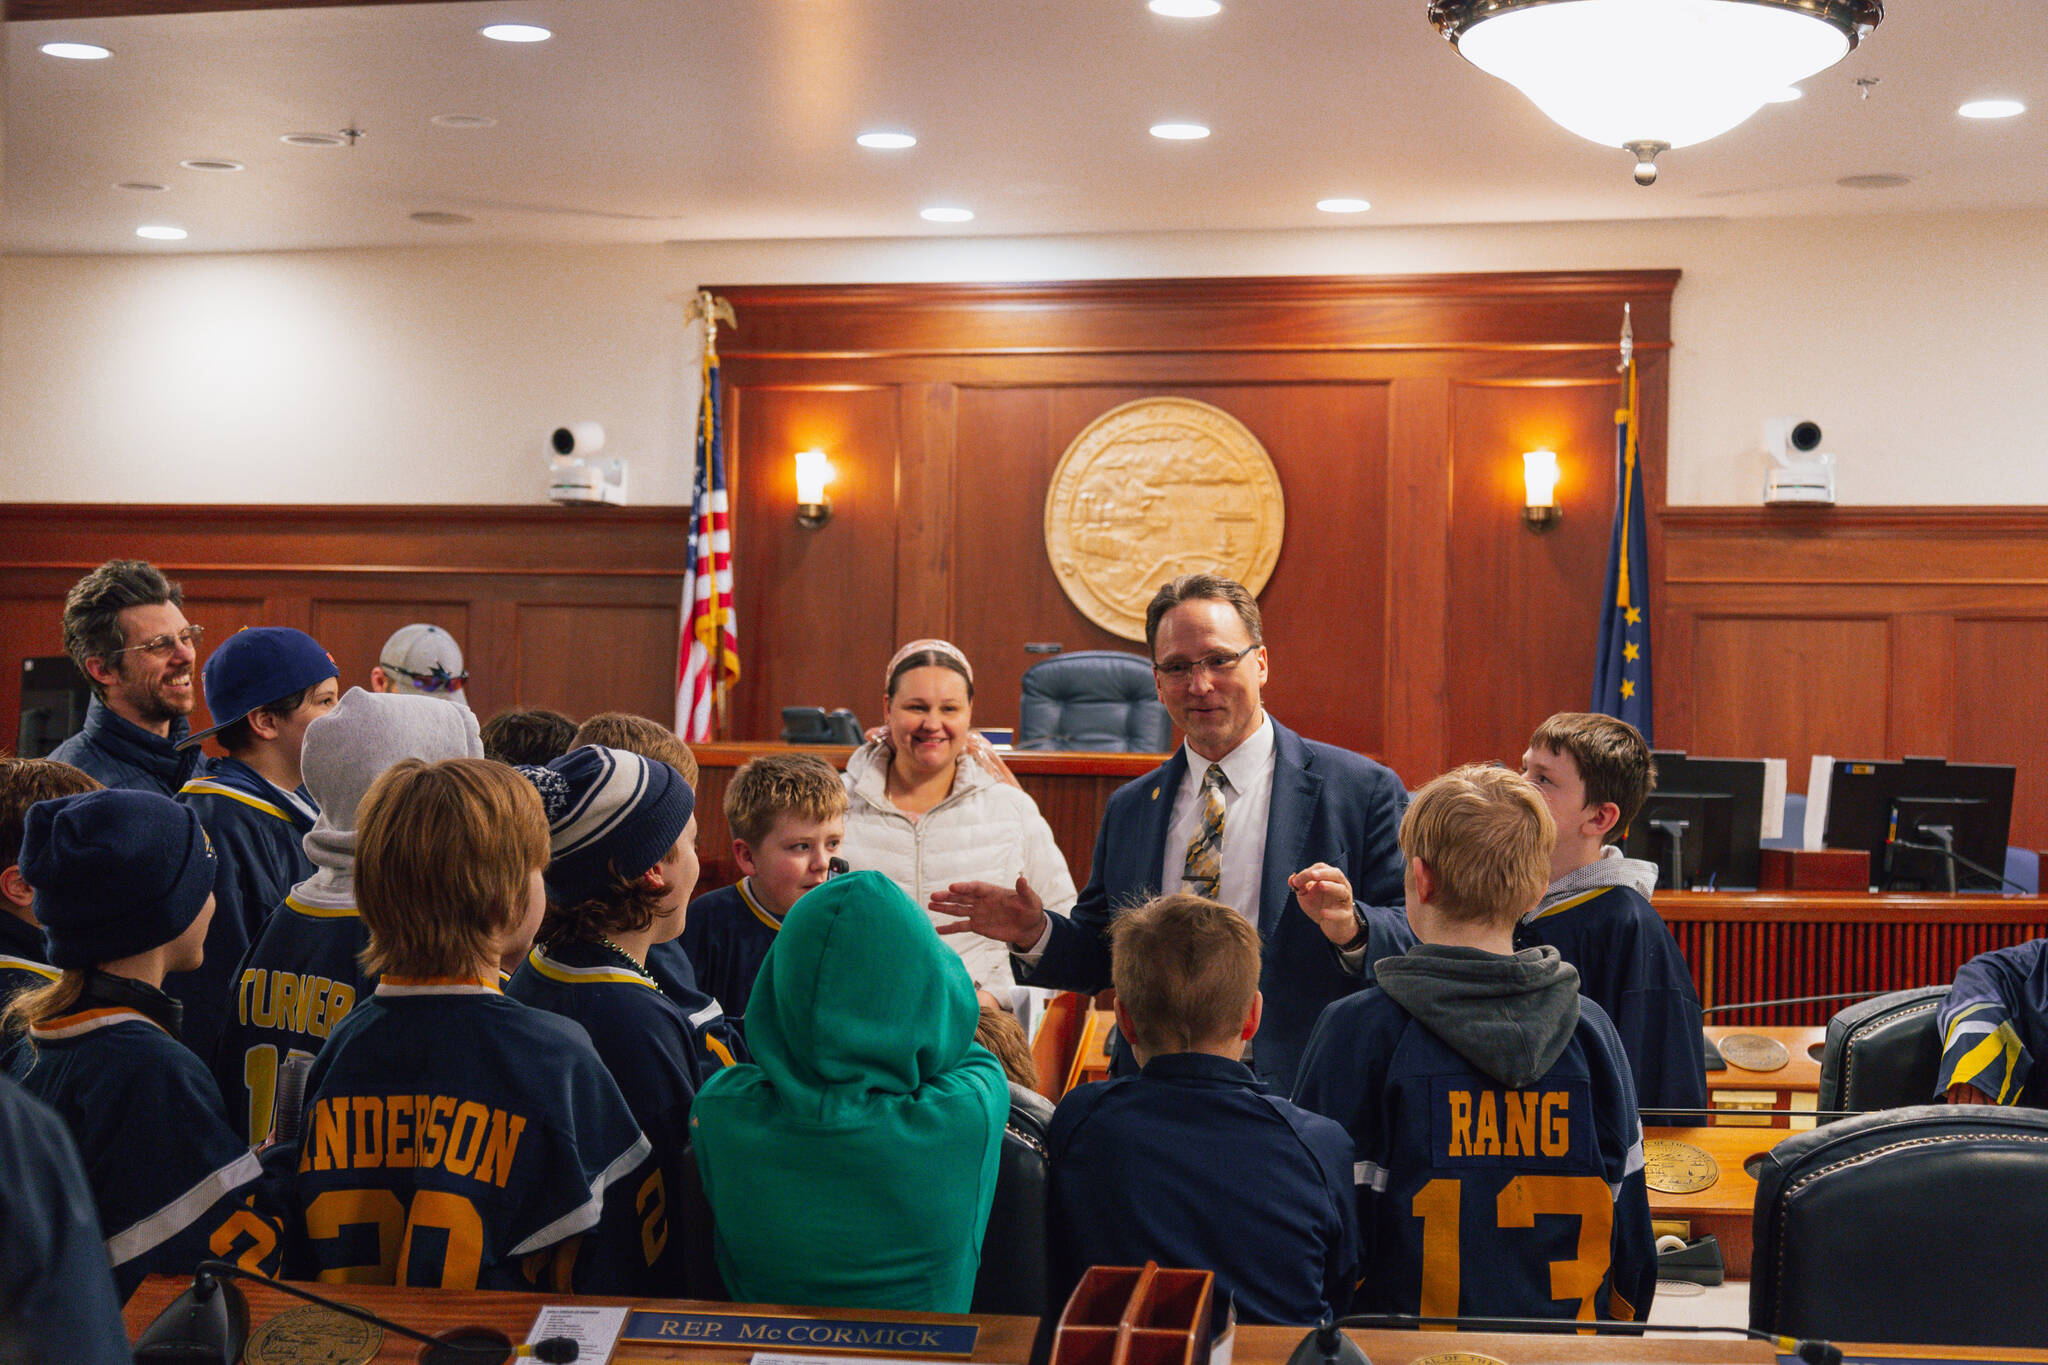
[1203,871]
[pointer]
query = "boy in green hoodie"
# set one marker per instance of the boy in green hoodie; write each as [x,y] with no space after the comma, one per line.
[1500,1158]
[854,1161]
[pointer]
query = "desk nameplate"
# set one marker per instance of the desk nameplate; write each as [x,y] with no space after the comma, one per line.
[682,1328]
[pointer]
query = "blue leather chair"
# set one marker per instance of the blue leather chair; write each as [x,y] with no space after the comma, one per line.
[1101,699]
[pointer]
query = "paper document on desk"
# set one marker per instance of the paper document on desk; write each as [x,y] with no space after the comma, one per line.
[1774,798]
[1819,778]
[594,1330]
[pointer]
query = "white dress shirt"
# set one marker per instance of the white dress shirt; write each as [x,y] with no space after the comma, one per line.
[1246,799]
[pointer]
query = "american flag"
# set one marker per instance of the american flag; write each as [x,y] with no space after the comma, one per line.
[708,659]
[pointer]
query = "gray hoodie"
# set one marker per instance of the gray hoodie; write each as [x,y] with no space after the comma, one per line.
[1510,1017]
[346,750]
[1609,869]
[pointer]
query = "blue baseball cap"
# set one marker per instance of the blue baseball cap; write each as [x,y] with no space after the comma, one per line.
[254,667]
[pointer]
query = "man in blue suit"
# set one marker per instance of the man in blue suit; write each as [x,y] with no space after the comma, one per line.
[1246,812]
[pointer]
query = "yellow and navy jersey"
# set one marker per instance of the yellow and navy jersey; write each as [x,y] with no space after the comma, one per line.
[21,958]
[172,1183]
[1994,1023]
[1629,965]
[1481,1199]
[457,1139]
[299,979]
[728,934]
[256,829]
[650,1043]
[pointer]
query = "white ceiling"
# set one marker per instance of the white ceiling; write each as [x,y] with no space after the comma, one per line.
[656,120]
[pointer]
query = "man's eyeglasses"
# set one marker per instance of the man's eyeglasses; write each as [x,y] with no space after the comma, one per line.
[1214,666]
[165,645]
[440,680]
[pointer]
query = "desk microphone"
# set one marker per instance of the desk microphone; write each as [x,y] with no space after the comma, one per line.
[209,1324]
[1810,1352]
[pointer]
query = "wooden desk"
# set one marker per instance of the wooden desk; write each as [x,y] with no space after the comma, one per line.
[1003,1339]
[1725,1207]
[1793,1086]
[1761,945]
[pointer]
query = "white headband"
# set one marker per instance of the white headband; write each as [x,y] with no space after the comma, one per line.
[926,647]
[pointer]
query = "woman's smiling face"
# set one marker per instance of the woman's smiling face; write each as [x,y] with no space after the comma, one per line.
[928,716]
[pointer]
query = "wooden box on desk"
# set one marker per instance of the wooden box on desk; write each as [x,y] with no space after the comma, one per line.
[1813,869]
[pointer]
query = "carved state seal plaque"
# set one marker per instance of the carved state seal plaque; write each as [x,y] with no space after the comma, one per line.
[1674,1167]
[1155,488]
[312,1335]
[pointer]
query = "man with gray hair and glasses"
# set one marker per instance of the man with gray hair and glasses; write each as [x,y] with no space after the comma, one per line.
[124,630]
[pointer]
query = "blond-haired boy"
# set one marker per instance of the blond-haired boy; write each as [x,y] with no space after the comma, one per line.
[1500,1160]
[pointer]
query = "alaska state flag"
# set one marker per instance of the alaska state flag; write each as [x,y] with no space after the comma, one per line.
[1621,675]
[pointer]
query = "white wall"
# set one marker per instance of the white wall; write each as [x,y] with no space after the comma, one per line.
[1918,343]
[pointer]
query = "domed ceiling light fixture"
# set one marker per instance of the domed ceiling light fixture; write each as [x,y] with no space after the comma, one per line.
[1650,75]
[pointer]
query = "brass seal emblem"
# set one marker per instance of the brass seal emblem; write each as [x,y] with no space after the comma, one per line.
[1458,1358]
[1673,1167]
[312,1335]
[1156,488]
[1754,1052]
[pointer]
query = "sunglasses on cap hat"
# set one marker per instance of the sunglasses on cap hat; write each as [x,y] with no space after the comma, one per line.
[438,680]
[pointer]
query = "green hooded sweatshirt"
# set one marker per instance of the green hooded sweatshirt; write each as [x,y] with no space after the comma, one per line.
[853,1163]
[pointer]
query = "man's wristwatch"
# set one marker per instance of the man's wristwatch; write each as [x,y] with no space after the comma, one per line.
[1364,934]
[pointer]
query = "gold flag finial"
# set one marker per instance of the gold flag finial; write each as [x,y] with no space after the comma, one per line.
[1628,339]
[712,310]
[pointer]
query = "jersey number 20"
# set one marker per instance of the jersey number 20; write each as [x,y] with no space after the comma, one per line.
[406,1237]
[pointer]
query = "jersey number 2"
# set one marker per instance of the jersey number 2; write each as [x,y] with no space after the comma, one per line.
[1522,1200]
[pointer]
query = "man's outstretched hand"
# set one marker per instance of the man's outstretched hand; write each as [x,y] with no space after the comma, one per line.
[1015,916]
[1324,894]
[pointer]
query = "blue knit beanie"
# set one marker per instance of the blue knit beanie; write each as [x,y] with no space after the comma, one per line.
[115,873]
[610,814]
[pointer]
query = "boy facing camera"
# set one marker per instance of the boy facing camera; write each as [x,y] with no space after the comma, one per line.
[455,1138]
[1154,1166]
[1594,773]
[787,814]
[1500,1158]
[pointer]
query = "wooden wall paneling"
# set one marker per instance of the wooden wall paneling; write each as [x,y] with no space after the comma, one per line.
[1923,676]
[557,643]
[2001,711]
[31,631]
[926,473]
[1790,686]
[1522,615]
[816,608]
[1417,553]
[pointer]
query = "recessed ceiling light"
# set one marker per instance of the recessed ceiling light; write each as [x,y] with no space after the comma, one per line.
[516,33]
[1992,109]
[158,232]
[463,121]
[887,142]
[142,186]
[1881,180]
[314,140]
[1342,205]
[1186,9]
[438,218]
[77,52]
[210,164]
[1180,132]
[1785,96]
[944,214]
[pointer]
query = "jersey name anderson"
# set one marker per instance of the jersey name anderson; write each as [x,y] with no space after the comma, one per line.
[413,1132]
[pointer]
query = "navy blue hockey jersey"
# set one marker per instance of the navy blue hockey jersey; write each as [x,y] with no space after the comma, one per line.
[1191,1163]
[255,828]
[172,1182]
[1474,1198]
[1994,1023]
[727,935]
[672,968]
[57,1299]
[458,1139]
[648,1042]
[1630,966]
[21,958]
[299,979]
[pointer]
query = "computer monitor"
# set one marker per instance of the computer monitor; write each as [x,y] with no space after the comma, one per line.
[1913,814]
[1703,824]
[54,695]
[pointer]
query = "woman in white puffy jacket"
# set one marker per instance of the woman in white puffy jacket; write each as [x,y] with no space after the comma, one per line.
[926,812]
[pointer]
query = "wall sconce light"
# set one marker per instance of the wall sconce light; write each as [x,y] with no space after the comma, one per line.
[813,472]
[1539,481]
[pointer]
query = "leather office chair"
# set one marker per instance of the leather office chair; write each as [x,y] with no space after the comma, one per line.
[1100,699]
[1916,1225]
[813,725]
[1882,1053]
[1013,1275]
